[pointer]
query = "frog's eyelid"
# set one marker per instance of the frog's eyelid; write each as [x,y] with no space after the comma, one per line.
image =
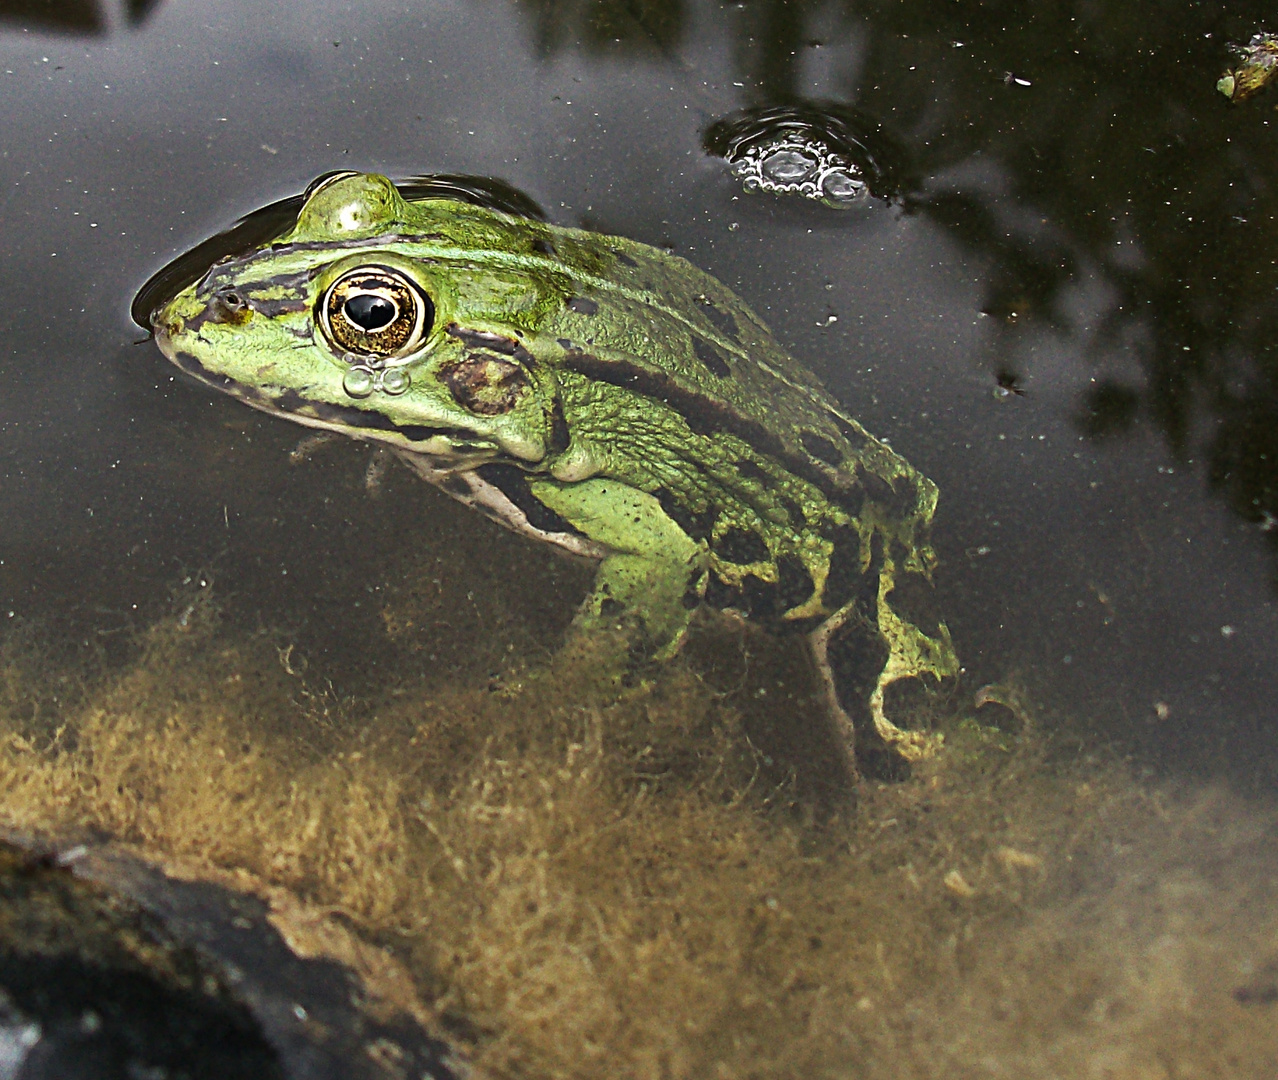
[326,180]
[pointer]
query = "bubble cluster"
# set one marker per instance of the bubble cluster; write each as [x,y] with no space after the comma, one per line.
[809,169]
[822,151]
[361,381]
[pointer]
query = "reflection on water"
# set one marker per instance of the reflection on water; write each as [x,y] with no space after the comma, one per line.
[607,27]
[74,16]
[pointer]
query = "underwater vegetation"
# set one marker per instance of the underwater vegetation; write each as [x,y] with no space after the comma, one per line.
[572,885]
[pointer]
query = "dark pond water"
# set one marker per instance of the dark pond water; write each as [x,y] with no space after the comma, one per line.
[1070,322]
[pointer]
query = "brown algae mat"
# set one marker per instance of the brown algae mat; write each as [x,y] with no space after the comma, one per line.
[587,884]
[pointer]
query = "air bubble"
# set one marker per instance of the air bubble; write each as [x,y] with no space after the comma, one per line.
[823,151]
[395,381]
[842,188]
[358,382]
[788,166]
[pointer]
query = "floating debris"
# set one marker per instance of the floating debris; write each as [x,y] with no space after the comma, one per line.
[958,885]
[1257,65]
[1011,859]
[1007,386]
[818,150]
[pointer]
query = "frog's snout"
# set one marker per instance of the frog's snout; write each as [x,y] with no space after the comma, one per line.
[169,318]
[166,323]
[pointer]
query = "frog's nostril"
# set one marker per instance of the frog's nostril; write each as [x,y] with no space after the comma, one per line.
[166,323]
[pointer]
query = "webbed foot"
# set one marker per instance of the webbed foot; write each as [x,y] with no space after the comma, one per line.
[864,648]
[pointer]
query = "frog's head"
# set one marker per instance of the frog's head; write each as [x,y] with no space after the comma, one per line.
[349,322]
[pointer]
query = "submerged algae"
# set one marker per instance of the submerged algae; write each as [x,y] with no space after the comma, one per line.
[578,904]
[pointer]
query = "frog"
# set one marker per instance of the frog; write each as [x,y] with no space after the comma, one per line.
[603,396]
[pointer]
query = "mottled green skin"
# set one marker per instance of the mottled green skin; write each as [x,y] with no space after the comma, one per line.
[657,416]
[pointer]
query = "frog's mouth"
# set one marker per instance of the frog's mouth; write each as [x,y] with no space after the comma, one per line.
[447,448]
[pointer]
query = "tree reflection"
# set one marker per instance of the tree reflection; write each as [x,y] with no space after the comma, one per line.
[607,26]
[1105,121]
[1144,174]
[71,16]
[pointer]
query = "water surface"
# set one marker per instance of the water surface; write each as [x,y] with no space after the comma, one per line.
[1092,224]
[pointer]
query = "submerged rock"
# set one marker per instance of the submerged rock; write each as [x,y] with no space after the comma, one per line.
[112,967]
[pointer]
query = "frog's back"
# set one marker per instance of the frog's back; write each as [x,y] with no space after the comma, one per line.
[593,392]
[629,313]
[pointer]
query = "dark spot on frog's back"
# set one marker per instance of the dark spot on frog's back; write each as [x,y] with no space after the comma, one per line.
[722,320]
[912,595]
[821,448]
[583,305]
[626,260]
[542,246]
[741,547]
[795,584]
[765,600]
[845,575]
[457,487]
[752,470]
[698,526]
[711,357]
[560,436]
[897,496]
[486,385]
[798,519]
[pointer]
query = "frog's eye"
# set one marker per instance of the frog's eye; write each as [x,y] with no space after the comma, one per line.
[375,312]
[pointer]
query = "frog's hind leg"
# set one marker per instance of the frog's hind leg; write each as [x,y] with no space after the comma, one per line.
[862,649]
[849,652]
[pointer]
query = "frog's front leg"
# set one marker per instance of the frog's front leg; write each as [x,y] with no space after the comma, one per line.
[863,648]
[654,574]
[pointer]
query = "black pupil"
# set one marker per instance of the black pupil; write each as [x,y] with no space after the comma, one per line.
[369,312]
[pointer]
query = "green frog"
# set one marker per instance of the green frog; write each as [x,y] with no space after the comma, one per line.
[600,395]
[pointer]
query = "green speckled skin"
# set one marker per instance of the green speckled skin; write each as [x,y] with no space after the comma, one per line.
[607,397]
